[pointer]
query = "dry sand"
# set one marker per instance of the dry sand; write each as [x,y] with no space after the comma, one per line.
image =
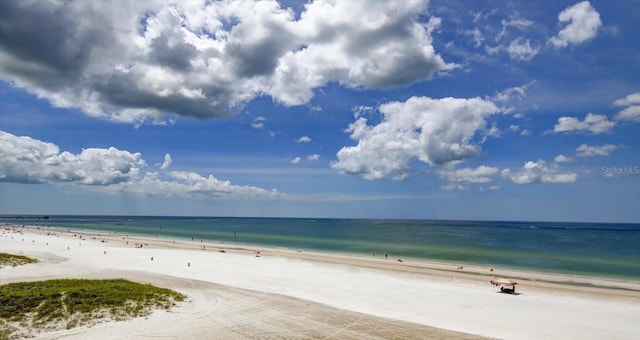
[291,294]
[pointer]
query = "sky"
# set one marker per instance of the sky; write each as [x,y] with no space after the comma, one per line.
[489,110]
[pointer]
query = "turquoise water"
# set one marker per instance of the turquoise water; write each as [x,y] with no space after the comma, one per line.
[599,249]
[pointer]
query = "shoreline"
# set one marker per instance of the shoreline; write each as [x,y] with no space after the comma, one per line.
[374,287]
[494,250]
[472,271]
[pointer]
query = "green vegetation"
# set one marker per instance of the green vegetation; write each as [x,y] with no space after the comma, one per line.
[15,260]
[68,303]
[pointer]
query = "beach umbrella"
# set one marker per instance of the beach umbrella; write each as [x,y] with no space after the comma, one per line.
[503,281]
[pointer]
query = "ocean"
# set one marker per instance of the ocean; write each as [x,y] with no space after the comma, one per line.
[594,249]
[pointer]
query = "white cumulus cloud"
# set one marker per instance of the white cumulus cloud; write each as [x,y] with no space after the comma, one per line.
[28,160]
[433,131]
[149,60]
[632,99]
[562,159]
[520,49]
[585,150]
[583,23]
[632,111]
[258,122]
[595,124]
[481,174]
[539,172]
[167,162]
[304,139]
[190,184]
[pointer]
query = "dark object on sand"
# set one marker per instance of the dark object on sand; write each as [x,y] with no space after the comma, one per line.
[508,290]
[506,286]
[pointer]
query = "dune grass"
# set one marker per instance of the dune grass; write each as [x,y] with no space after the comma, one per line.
[69,303]
[15,260]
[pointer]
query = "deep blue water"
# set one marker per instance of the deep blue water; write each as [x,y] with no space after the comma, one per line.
[600,249]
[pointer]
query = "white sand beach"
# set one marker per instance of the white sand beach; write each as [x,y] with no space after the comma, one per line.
[286,293]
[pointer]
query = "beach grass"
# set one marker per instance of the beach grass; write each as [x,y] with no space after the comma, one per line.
[15,260]
[68,303]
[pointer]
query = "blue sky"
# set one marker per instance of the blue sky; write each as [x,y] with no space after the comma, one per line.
[361,109]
